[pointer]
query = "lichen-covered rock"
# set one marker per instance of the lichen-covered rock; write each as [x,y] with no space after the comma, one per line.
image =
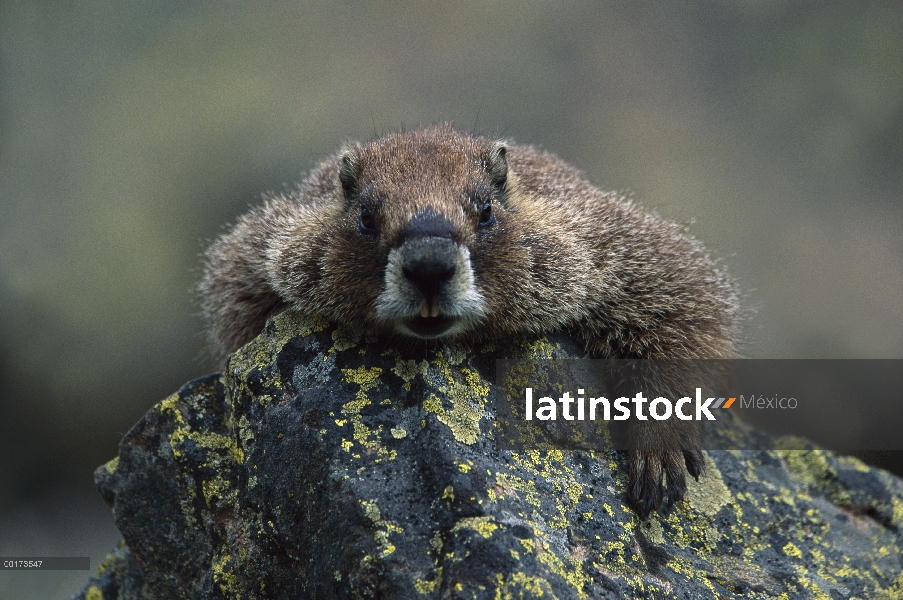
[325,465]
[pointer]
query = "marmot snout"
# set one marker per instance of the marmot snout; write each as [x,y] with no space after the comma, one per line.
[429,284]
[435,234]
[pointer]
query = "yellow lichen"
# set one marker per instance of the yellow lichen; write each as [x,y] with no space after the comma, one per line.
[364,377]
[455,354]
[897,507]
[508,483]
[436,542]
[540,348]
[464,418]
[575,577]
[514,585]
[345,338]
[383,527]
[408,369]
[371,511]
[475,382]
[94,593]
[709,494]
[291,324]
[652,527]
[574,490]
[485,525]
[224,577]
[433,404]
[383,453]
[791,550]
[427,587]
[809,467]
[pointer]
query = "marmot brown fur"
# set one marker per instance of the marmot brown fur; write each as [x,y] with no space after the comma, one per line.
[434,233]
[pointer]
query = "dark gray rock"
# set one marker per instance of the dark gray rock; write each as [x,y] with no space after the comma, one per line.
[323,465]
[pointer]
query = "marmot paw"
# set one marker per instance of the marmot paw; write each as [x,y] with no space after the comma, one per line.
[657,476]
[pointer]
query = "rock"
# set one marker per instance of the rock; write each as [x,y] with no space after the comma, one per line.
[325,465]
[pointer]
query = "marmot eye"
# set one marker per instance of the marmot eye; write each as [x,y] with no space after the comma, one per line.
[486,216]
[367,224]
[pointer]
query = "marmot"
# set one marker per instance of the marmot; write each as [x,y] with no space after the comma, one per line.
[434,233]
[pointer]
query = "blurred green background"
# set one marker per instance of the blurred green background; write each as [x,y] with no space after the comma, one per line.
[131,132]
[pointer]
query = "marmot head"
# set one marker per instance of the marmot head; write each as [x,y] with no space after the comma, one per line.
[418,206]
[431,233]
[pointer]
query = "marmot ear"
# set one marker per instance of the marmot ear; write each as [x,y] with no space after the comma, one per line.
[349,172]
[498,165]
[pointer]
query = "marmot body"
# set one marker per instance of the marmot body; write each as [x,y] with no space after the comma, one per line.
[434,233]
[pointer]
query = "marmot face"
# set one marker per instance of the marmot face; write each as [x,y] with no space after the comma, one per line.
[418,207]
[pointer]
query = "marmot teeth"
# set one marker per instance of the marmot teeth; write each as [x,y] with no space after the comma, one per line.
[426,310]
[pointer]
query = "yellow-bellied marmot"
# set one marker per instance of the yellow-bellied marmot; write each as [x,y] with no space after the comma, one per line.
[434,233]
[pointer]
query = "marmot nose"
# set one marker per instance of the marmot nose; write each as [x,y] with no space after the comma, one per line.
[429,252]
[429,276]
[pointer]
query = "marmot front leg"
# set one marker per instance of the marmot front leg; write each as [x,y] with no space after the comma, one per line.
[236,296]
[658,452]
